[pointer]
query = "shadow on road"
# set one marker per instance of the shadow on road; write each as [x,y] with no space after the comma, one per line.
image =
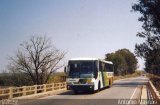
[135,79]
[128,84]
[72,93]
[81,92]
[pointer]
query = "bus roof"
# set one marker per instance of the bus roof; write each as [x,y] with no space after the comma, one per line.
[108,62]
[88,58]
[83,58]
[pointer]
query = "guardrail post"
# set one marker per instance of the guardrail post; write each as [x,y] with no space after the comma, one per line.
[11,92]
[24,90]
[65,85]
[58,86]
[61,85]
[44,88]
[52,86]
[35,89]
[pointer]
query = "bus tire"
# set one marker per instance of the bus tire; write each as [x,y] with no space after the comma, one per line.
[110,83]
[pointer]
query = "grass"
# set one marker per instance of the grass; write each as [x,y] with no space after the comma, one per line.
[57,77]
[137,73]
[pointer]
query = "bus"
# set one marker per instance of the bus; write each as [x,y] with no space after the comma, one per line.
[89,74]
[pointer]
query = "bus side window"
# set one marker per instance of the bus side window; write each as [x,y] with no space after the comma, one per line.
[109,67]
[112,69]
[96,69]
[103,67]
[100,66]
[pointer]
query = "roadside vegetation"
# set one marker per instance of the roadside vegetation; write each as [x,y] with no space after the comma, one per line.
[124,61]
[7,79]
[135,74]
[57,77]
[149,50]
[155,80]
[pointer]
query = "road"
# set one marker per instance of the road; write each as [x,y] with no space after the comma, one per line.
[121,89]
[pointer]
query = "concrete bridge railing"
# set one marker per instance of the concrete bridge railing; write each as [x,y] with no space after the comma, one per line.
[12,92]
[149,95]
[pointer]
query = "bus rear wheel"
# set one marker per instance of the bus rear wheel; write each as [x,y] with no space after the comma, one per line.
[110,83]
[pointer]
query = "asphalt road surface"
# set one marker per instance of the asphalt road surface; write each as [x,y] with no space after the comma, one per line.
[120,93]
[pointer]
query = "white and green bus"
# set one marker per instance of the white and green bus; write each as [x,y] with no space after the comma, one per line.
[89,74]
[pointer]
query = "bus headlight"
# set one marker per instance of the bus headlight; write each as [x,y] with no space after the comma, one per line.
[90,81]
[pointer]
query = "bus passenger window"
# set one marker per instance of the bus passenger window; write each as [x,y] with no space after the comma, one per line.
[109,67]
[100,66]
[96,70]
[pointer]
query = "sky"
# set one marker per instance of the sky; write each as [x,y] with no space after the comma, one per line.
[82,28]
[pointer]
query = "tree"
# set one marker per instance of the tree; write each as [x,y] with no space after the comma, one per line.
[130,60]
[36,59]
[124,61]
[150,49]
[118,61]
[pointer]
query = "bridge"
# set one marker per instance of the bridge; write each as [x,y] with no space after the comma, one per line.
[127,91]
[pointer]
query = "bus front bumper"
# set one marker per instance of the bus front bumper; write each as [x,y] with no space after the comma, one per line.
[80,87]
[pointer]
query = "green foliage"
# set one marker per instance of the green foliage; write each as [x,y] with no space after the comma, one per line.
[21,79]
[5,79]
[124,61]
[150,49]
[16,79]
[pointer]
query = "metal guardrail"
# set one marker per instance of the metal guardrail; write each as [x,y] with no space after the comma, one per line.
[13,92]
[155,94]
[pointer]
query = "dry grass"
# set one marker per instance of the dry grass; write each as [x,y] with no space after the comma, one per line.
[137,73]
[57,77]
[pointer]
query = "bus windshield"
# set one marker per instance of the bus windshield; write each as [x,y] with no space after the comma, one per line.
[82,69]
